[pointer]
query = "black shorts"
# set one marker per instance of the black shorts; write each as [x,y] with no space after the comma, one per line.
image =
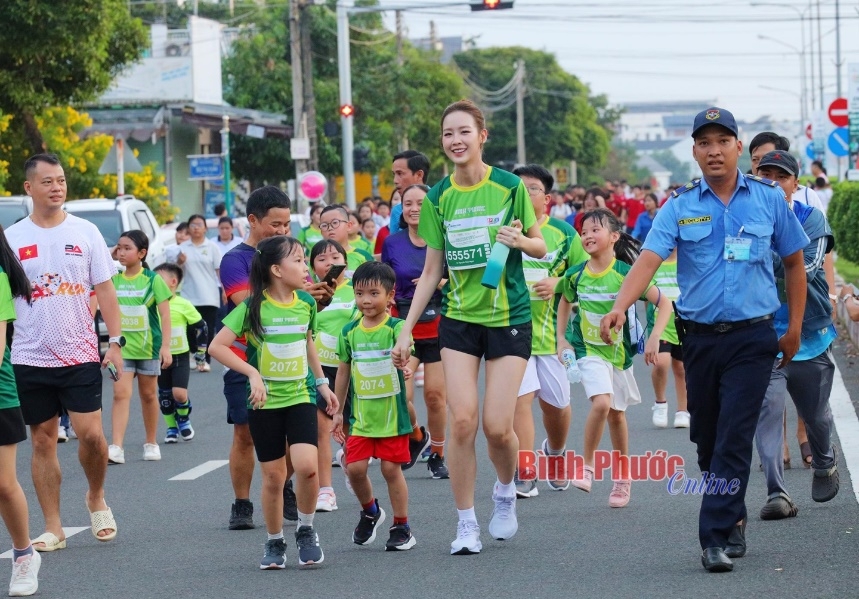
[45,392]
[12,428]
[478,340]
[178,374]
[273,429]
[428,351]
[676,351]
[236,392]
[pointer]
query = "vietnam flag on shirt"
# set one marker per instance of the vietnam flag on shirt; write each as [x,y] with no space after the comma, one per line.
[30,251]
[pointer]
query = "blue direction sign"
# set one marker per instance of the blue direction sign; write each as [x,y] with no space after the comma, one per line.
[206,166]
[839,142]
[809,151]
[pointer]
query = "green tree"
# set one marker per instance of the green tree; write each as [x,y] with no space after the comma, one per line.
[54,55]
[562,120]
[621,164]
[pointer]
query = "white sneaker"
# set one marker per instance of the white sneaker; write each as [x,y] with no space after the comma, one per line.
[660,415]
[70,432]
[503,523]
[326,501]
[467,539]
[115,455]
[151,452]
[340,456]
[25,575]
[62,435]
[681,420]
[205,367]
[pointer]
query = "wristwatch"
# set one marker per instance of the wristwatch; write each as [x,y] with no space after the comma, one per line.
[120,341]
[323,381]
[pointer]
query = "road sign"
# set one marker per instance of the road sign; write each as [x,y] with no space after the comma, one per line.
[809,151]
[808,131]
[205,167]
[212,198]
[299,148]
[839,142]
[838,114]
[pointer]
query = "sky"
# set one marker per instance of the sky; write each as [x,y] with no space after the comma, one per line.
[651,50]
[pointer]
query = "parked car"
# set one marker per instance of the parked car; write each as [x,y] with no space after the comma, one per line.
[124,213]
[14,208]
[241,228]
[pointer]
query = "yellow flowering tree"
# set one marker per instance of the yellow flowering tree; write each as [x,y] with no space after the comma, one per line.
[62,128]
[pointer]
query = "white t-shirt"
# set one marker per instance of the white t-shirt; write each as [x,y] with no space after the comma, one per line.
[809,197]
[226,246]
[200,286]
[63,263]
[561,211]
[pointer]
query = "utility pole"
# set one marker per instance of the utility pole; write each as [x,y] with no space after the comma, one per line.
[520,111]
[298,120]
[403,143]
[309,96]
[345,77]
[820,56]
[838,46]
[811,56]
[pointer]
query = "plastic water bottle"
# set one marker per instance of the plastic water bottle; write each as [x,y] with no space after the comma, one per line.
[574,375]
[495,265]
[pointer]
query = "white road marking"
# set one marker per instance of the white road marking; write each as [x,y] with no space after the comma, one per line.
[69,530]
[198,471]
[847,426]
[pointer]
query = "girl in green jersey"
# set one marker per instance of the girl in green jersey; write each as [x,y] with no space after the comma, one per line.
[606,369]
[278,320]
[461,218]
[13,502]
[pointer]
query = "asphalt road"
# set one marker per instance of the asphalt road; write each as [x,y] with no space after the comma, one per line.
[173,539]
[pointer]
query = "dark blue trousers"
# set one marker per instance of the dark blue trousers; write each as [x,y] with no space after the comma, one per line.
[726,377]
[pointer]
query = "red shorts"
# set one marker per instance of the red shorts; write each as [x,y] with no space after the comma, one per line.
[388,449]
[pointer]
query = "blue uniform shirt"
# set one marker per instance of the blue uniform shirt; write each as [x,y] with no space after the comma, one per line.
[713,289]
[394,223]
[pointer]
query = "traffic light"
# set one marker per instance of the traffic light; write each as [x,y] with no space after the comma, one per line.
[361,158]
[347,110]
[490,4]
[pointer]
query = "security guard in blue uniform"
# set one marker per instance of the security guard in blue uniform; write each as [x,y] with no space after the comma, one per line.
[724,227]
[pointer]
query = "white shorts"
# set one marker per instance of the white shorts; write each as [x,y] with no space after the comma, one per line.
[546,376]
[599,378]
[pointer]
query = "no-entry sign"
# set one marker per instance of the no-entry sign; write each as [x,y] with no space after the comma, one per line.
[838,114]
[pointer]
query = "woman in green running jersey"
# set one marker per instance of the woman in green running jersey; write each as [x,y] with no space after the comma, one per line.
[461,217]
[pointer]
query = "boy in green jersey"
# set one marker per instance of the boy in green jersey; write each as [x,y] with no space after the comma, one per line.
[334,224]
[173,381]
[379,423]
[545,376]
[670,351]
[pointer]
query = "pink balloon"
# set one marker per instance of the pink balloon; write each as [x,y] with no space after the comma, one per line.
[313,185]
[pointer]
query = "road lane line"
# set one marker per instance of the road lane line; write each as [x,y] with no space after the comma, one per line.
[847,426]
[69,530]
[198,471]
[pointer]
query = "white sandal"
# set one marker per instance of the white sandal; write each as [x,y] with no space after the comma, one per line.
[103,520]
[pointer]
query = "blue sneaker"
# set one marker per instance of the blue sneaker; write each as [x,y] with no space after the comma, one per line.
[426,453]
[172,435]
[186,430]
[309,551]
[275,555]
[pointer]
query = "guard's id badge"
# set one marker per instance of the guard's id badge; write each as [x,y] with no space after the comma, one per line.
[737,249]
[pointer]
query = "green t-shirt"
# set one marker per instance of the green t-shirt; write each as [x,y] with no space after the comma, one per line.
[666,280]
[310,236]
[330,322]
[596,293]
[355,257]
[182,313]
[379,407]
[281,355]
[361,244]
[462,222]
[8,388]
[138,298]
[563,250]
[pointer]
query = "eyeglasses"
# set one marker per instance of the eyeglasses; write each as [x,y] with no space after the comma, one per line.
[196,226]
[534,190]
[331,225]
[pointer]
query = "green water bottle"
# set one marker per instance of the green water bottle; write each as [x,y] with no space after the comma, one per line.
[495,265]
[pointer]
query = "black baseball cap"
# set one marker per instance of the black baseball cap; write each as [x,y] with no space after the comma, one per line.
[715,116]
[783,160]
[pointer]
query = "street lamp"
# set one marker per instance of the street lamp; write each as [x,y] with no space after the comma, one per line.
[802,95]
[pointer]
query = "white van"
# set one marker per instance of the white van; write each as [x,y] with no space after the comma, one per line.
[125,213]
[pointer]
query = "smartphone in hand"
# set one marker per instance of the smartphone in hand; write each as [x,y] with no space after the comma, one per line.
[111,370]
[333,273]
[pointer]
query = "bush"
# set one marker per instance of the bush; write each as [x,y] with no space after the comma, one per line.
[843,213]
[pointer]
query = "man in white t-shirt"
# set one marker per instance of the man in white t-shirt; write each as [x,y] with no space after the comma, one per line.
[55,350]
